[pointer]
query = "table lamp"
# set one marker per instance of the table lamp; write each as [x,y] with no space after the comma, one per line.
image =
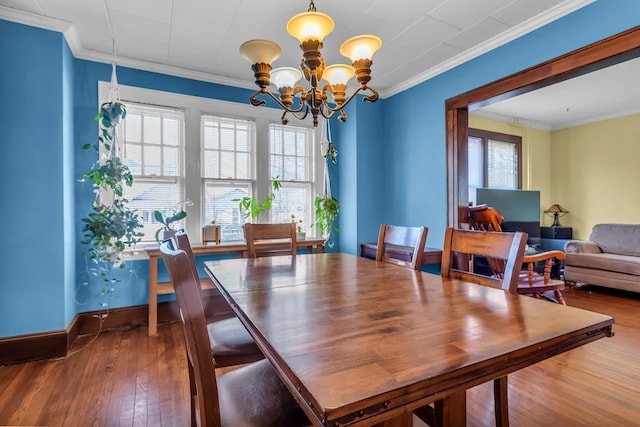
[557,211]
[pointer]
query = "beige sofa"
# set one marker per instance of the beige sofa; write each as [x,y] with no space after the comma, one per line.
[611,257]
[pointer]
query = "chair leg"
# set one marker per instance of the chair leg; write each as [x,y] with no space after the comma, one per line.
[501,401]
[560,297]
[192,394]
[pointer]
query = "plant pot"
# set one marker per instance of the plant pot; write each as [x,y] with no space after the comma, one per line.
[301,235]
[211,233]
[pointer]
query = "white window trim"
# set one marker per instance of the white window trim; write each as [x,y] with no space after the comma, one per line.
[194,107]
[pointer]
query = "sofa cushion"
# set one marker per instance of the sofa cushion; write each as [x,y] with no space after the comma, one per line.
[606,262]
[623,239]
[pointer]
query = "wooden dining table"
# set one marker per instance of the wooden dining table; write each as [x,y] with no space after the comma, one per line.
[364,343]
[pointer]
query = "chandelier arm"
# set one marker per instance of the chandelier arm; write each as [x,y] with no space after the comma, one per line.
[258,102]
[330,112]
[255,101]
[344,104]
[374,95]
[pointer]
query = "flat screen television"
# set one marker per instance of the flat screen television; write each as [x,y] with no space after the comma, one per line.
[520,209]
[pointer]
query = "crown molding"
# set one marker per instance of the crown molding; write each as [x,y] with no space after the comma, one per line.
[494,42]
[34,20]
[71,36]
[514,121]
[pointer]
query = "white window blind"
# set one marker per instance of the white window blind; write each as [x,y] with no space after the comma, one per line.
[227,171]
[153,140]
[291,162]
[502,164]
[227,148]
[493,161]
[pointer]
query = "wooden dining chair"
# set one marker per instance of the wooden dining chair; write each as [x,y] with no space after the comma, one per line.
[400,237]
[531,282]
[231,343]
[284,233]
[251,395]
[506,249]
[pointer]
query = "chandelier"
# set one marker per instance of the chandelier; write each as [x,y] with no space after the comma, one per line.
[310,29]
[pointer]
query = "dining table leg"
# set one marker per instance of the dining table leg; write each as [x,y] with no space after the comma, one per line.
[454,410]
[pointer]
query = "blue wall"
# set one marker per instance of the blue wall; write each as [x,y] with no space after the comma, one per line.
[392,161]
[414,120]
[32,158]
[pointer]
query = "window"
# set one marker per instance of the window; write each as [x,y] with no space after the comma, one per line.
[227,171]
[494,161]
[152,139]
[210,152]
[291,162]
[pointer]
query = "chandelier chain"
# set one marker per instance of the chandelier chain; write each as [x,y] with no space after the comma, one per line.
[312,7]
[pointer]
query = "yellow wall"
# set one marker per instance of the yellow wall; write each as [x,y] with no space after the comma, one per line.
[596,173]
[536,156]
[591,170]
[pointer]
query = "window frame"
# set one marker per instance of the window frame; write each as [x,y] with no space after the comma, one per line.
[194,108]
[485,136]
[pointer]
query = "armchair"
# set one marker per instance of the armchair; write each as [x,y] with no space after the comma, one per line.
[531,282]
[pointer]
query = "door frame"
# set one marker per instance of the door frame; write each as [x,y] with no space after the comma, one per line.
[604,53]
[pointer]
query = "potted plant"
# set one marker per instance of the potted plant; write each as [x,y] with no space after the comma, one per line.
[167,231]
[300,233]
[253,208]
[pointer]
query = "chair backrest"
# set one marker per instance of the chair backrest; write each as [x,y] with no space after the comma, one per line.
[284,233]
[184,244]
[485,218]
[506,248]
[395,235]
[187,287]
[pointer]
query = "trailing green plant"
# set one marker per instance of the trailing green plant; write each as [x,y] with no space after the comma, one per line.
[111,227]
[253,208]
[327,208]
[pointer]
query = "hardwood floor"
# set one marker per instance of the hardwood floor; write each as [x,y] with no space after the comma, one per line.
[128,378]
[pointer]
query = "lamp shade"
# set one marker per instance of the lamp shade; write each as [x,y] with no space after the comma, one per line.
[360,47]
[310,26]
[285,77]
[338,73]
[556,209]
[260,51]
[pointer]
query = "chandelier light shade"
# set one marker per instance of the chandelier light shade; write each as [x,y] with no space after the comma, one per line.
[260,51]
[310,28]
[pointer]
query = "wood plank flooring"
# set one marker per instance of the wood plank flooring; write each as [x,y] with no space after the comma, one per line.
[125,378]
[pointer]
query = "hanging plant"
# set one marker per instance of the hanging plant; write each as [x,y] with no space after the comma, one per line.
[111,227]
[327,206]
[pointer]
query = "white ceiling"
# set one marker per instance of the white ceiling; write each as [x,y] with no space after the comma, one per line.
[600,95]
[200,39]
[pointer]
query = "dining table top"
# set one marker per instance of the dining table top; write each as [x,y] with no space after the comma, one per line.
[359,341]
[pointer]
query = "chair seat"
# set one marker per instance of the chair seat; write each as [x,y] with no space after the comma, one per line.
[254,396]
[229,337]
[536,284]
